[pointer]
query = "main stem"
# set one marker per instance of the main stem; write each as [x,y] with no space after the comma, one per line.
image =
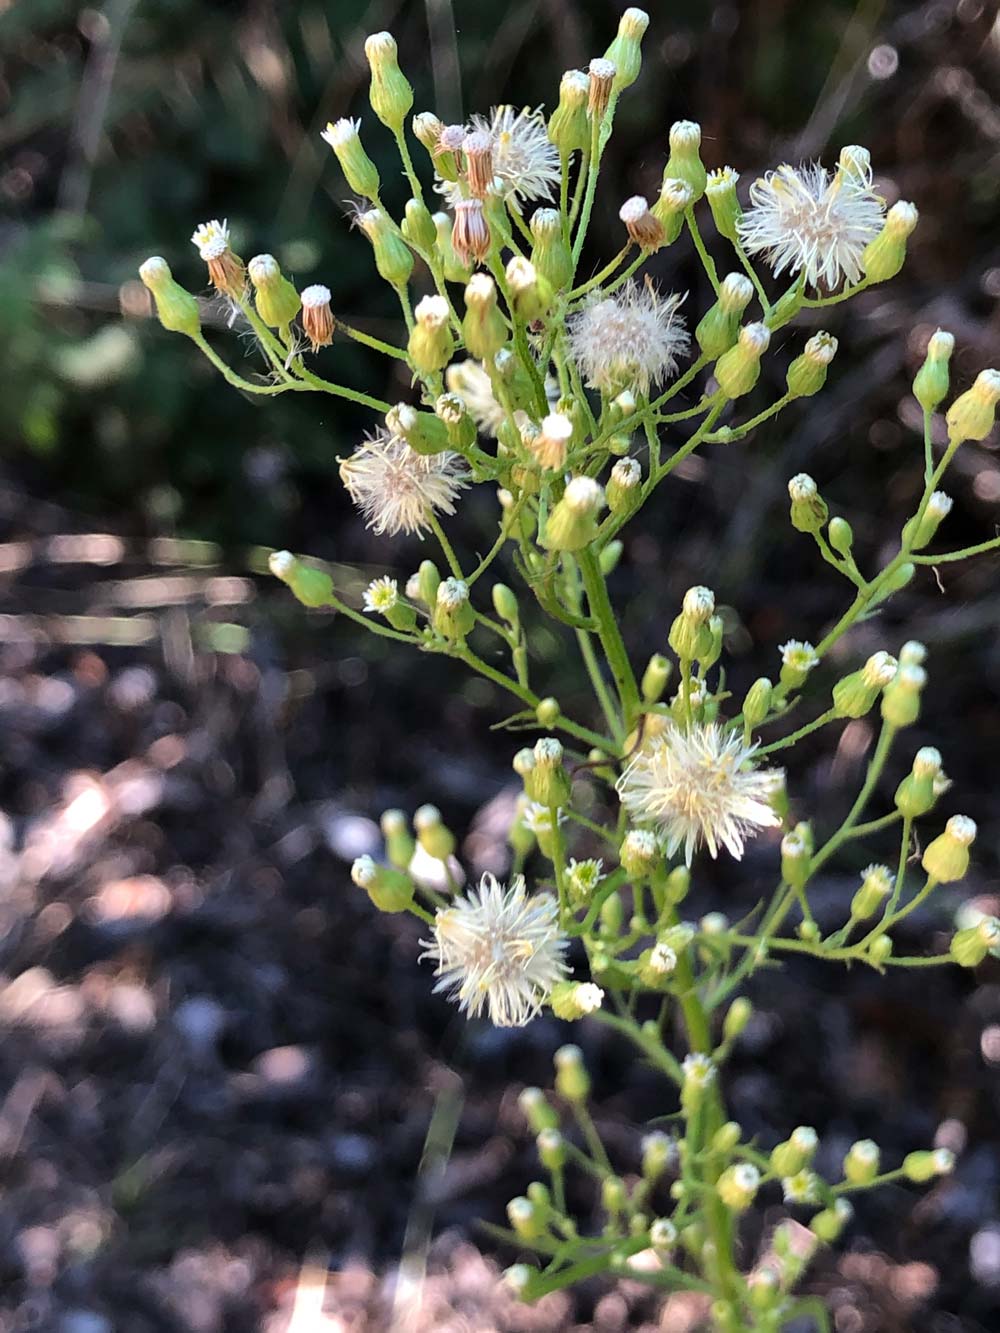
[610,636]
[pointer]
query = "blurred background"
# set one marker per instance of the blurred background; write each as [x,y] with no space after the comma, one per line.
[228,1100]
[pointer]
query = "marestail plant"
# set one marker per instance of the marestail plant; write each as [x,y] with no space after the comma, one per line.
[574,397]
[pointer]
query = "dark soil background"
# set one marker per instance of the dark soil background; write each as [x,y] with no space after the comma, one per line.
[228,1100]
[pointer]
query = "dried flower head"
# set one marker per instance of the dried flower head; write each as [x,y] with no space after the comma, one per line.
[699,786]
[629,340]
[471,383]
[225,269]
[470,234]
[396,489]
[498,948]
[806,219]
[525,161]
[317,316]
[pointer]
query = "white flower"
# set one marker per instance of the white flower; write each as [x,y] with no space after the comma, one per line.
[211,238]
[799,654]
[629,340]
[497,947]
[381,595]
[471,383]
[807,219]
[699,786]
[538,818]
[396,489]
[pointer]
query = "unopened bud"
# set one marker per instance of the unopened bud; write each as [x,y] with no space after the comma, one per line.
[918,534]
[572,524]
[569,128]
[572,1079]
[176,309]
[393,257]
[876,885]
[946,859]
[809,511]
[390,93]
[883,257]
[972,414]
[720,190]
[390,890]
[807,373]
[684,162]
[901,697]
[931,383]
[738,370]
[312,587]
[625,51]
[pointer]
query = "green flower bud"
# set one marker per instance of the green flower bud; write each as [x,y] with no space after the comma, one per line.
[625,51]
[609,557]
[427,129]
[684,162]
[548,712]
[737,1017]
[764,1288]
[678,885]
[530,293]
[640,854]
[699,1074]
[880,950]
[855,695]
[757,702]
[876,885]
[807,373]
[569,126]
[861,1165]
[505,604]
[970,946]
[624,489]
[176,309]
[795,1153]
[572,1079]
[884,256]
[424,432]
[841,536]
[738,370]
[431,344]
[657,965]
[551,256]
[572,524]
[571,1000]
[537,1111]
[428,581]
[719,329]
[795,860]
[393,257]
[655,678]
[931,383]
[726,1138]
[527,1220]
[917,535]
[453,617]
[901,697]
[551,1147]
[455,269]
[390,93]
[809,511]
[675,196]
[399,842]
[390,890]
[548,782]
[923,1166]
[662,1235]
[829,1223]
[614,1196]
[359,170]
[658,1152]
[436,840]
[312,587]
[418,225]
[720,191]
[915,795]
[690,636]
[518,1279]
[946,859]
[737,1186]
[484,329]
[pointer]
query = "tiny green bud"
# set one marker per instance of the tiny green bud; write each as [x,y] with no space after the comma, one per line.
[757,702]
[569,127]
[640,854]
[518,1279]
[548,782]
[551,1147]
[390,890]
[624,489]
[662,1235]
[795,860]
[658,1152]
[609,557]
[737,371]
[418,225]
[684,162]
[572,524]
[880,950]
[737,1186]
[436,840]
[483,328]
[876,885]
[855,695]
[431,343]
[699,1074]
[901,696]
[690,636]
[625,51]
[176,309]
[530,293]
[537,1111]
[505,604]
[923,1166]
[453,615]
[828,1223]
[675,196]
[809,511]
[915,794]
[527,1220]
[719,328]
[429,581]
[737,1017]
[841,536]
[548,712]
[572,1000]
[399,842]
[862,1162]
[359,170]
[550,254]
[884,256]
[720,191]
[390,93]
[393,257]
[919,534]
[946,859]
[970,946]
[572,1079]
[726,1138]
[931,383]
[807,373]
[614,1196]
[655,678]
[312,587]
